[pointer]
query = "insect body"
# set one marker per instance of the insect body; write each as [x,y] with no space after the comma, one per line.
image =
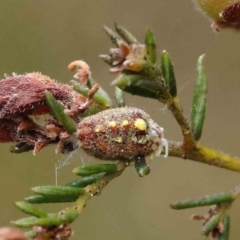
[121,133]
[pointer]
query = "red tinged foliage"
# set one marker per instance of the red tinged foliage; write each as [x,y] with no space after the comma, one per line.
[8,130]
[231,15]
[230,18]
[24,94]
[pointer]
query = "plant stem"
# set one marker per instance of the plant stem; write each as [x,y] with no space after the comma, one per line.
[94,189]
[203,154]
[193,150]
[174,107]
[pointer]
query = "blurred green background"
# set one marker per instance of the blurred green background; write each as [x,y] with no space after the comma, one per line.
[46,35]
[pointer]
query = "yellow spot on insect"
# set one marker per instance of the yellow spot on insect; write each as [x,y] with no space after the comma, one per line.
[140,124]
[112,124]
[98,128]
[125,123]
[118,139]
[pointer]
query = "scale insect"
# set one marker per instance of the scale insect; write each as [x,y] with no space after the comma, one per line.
[121,134]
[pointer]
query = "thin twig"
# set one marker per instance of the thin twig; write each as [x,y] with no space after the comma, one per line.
[203,154]
[94,189]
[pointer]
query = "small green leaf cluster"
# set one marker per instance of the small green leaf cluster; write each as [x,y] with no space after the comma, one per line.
[217,221]
[71,192]
[144,73]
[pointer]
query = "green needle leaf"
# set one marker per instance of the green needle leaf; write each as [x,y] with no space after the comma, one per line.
[100,97]
[58,111]
[119,96]
[114,37]
[137,85]
[151,46]
[211,224]
[95,169]
[101,92]
[30,209]
[225,234]
[168,73]
[106,58]
[39,199]
[58,191]
[125,34]
[199,101]
[204,201]
[33,221]
[83,182]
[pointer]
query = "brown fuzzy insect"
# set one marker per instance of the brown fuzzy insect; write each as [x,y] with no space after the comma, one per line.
[121,133]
